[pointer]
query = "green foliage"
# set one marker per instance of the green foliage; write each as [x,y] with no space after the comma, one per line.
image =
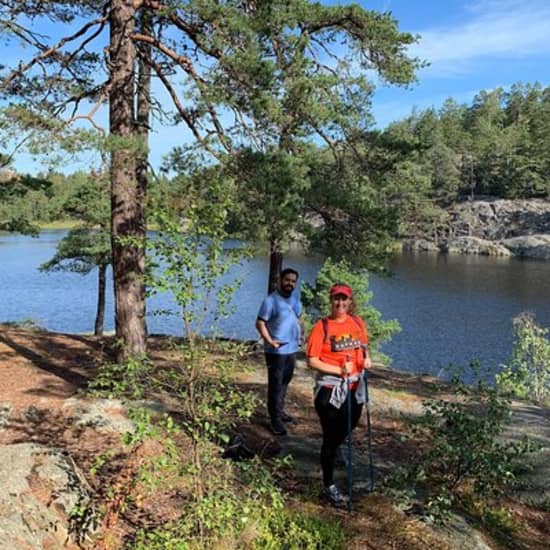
[354,221]
[317,304]
[129,379]
[83,519]
[22,200]
[248,512]
[80,251]
[476,376]
[271,193]
[464,457]
[527,375]
[190,256]
[495,146]
[88,246]
[498,521]
[224,503]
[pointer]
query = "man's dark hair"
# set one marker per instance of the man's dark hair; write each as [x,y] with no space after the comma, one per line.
[287,271]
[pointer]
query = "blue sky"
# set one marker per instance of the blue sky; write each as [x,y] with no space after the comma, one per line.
[471,45]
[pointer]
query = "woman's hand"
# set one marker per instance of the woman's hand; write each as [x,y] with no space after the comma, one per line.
[347,368]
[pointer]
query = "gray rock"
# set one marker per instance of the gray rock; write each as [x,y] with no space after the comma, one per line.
[475,245]
[499,219]
[103,415]
[532,246]
[533,422]
[420,245]
[5,411]
[460,534]
[494,227]
[41,490]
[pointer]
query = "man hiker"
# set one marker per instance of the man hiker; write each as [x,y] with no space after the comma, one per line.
[280,325]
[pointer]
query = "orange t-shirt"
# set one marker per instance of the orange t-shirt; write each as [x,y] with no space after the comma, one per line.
[319,343]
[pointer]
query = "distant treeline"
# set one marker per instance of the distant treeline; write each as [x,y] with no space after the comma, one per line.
[499,146]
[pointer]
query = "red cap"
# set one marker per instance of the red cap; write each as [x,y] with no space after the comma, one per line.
[341,289]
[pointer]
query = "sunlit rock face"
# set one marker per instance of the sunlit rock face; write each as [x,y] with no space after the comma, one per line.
[492,227]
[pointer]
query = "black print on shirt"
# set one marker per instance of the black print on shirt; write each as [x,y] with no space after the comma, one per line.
[344,342]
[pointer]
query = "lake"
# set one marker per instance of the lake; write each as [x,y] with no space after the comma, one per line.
[452,309]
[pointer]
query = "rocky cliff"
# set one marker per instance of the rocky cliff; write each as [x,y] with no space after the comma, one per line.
[494,227]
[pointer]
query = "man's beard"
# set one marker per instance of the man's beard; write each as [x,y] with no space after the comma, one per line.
[286,292]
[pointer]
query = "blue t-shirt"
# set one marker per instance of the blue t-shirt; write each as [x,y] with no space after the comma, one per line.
[281,317]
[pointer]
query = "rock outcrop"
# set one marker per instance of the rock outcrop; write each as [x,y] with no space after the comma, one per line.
[42,493]
[492,227]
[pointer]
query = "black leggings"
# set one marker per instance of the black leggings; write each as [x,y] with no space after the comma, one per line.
[334,423]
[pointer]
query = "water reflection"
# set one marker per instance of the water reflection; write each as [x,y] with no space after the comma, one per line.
[452,309]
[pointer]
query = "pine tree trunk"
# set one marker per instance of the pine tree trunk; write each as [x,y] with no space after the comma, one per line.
[275,266]
[100,315]
[127,206]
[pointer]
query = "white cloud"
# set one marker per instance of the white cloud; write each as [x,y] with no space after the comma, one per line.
[502,29]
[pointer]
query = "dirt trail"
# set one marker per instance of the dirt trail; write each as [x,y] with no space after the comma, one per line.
[41,370]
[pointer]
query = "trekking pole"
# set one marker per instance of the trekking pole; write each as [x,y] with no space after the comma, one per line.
[369,442]
[350,450]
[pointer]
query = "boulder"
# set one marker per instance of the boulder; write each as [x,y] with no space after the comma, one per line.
[103,415]
[532,246]
[43,494]
[420,245]
[475,245]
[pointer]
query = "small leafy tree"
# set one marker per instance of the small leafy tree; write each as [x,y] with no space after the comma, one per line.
[317,304]
[81,251]
[218,500]
[527,375]
[189,252]
[189,260]
[88,246]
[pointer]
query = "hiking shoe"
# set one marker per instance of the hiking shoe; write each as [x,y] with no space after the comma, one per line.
[285,417]
[341,459]
[333,495]
[278,428]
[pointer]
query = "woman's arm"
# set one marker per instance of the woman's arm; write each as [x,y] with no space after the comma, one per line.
[367,363]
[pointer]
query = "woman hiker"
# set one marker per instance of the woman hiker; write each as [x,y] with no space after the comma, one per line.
[337,351]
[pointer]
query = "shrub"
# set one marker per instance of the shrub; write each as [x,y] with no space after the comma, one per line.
[465,457]
[317,303]
[528,373]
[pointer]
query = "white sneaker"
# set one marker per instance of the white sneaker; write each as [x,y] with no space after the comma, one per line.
[333,495]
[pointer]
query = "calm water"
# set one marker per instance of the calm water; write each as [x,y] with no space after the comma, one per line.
[452,309]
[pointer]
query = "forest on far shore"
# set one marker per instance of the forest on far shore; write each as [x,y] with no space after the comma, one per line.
[499,145]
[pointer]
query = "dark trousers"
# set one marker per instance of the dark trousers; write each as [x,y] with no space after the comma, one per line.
[334,423]
[280,369]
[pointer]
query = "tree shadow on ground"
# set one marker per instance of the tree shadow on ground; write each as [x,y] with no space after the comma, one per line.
[70,358]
